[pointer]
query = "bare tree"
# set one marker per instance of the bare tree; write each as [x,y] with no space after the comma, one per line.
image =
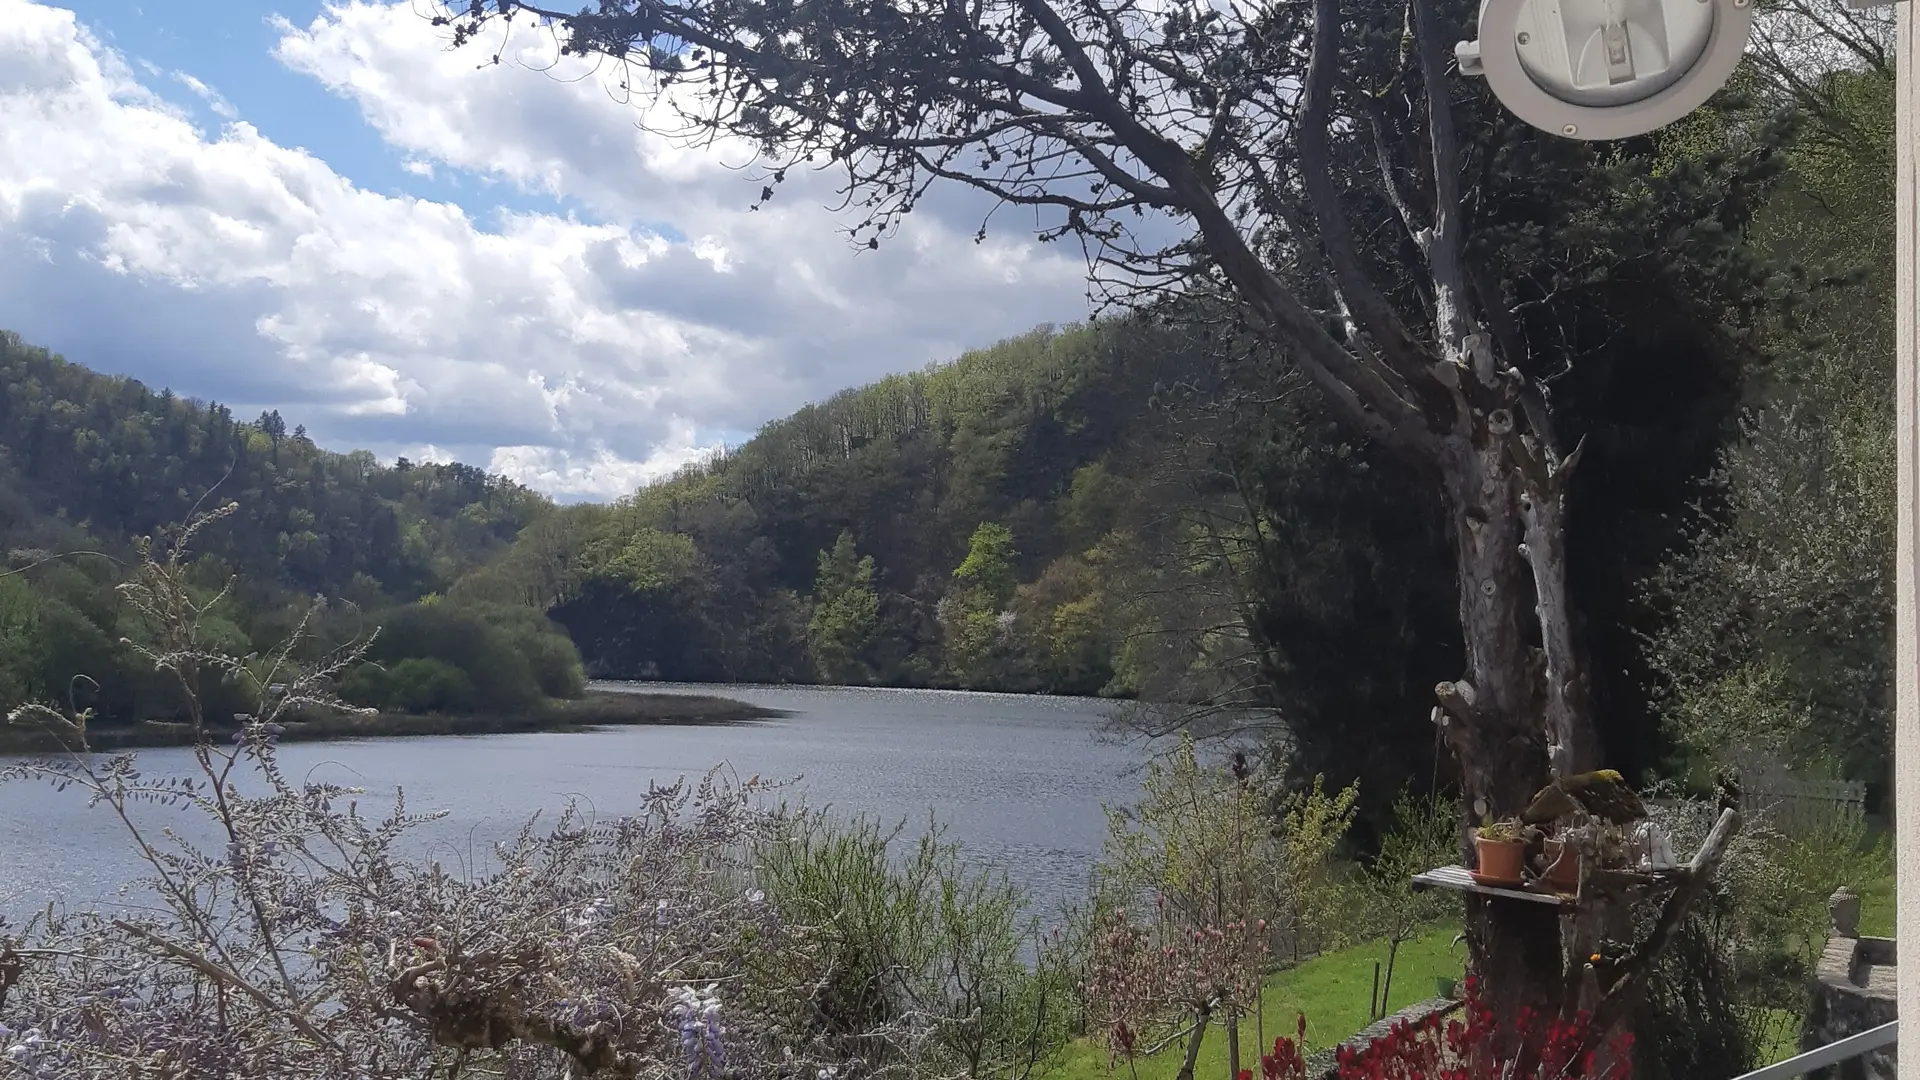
[1268,132]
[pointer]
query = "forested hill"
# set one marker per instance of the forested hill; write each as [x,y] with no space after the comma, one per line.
[1117,508]
[879,536]
[90,459]
[89,462]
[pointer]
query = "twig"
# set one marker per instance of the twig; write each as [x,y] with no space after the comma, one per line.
[221,975]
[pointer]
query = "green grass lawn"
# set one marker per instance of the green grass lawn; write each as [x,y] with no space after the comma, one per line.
[1332,991]
[1876,907]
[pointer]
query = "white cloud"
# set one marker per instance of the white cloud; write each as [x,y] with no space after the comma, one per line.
[429,454]
[579,354]
[219,104]
[599,475]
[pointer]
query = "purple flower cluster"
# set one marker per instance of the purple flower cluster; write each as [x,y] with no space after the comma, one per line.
[697,1013]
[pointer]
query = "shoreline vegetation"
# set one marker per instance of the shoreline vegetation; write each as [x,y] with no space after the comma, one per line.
[598,709]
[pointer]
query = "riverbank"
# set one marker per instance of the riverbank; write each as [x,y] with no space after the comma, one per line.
[598,709]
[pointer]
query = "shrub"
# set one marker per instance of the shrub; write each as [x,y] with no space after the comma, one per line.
[1732,986]
[423,686]
[549,652]
[365,686]
[501,674]
[922,940]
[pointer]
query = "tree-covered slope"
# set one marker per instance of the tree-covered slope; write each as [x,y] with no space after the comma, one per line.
[109,455]
[89,463]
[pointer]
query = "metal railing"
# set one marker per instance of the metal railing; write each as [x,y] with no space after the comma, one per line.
[1831,1054]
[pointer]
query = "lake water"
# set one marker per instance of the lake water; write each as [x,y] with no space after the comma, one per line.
[1018,780]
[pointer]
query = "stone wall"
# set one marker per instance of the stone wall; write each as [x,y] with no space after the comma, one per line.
[1853,991]
[1325,1065]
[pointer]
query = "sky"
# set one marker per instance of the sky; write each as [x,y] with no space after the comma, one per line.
[325,210]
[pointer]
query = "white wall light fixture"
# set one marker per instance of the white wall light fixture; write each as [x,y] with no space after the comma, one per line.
[1606,69]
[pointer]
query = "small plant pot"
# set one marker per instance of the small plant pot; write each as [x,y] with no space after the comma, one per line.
[1563,865]
[1446,988]
[1500,861]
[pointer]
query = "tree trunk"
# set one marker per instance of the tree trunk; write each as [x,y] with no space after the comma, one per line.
[1233,1046]
[1521,709]
[1202,1017]
[1386,983]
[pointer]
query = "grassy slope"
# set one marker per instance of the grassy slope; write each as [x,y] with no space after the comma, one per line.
[1332,991]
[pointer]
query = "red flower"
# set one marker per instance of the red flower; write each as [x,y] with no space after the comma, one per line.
[1457,1049]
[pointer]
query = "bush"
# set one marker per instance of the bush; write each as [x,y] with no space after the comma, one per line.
[366,687]
[1717,999]
[549,651]
[424,686]
[500,675]
[923,940]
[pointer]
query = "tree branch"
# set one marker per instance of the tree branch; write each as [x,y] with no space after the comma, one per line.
[1694,879]
[1452,321]
[228,978]
[1369,308]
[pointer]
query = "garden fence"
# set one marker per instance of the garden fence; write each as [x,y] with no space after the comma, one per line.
[1796,805]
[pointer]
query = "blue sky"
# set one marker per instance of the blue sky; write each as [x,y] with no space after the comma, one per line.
[321,209]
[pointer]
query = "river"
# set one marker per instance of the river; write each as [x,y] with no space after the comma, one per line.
[1018,780]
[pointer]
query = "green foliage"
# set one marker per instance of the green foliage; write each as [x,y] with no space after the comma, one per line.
[1199,837]
[19,622]
[921,931]
[1063,625]
[643,559]
[975,639]
[498,675]
[1425,833]
[1210,845]
[78,447]
[911,466]
[1777,616]
[1733,985]
[550,654]
[414,685]
[846,614]
[1315,903]
[128,461]
[974,620]
[988,566]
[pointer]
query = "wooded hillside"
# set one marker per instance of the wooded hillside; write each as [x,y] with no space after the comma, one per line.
[89,462]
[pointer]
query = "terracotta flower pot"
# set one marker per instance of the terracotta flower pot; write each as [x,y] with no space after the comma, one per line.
[1500,860]
[1562,873]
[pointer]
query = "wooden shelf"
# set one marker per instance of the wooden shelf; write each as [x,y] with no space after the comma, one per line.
[1457,879]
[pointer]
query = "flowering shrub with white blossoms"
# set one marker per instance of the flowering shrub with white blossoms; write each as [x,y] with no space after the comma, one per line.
[302,945]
